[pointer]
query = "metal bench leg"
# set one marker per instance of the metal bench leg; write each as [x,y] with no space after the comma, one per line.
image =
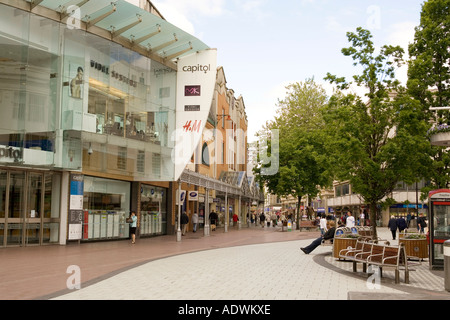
[354,266]
[406,276]
[365,267]
[397,276]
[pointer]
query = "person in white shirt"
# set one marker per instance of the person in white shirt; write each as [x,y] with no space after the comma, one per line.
[362,216]
[323,225]
[350,222]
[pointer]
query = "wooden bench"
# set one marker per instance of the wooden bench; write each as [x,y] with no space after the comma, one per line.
[307,224]
[362,248]
[383,256]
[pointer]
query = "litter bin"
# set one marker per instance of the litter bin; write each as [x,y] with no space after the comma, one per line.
[447,264]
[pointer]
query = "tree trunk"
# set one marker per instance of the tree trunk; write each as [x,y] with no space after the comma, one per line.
[299,199]
[373,220]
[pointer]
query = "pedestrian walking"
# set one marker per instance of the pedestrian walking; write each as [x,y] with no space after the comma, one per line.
[184,222]
[323,225]
[235,220]
[213,219]
[262,218]
[350,221]
[195,221]
[362,217]
[421,223]
[317,242]
[393,225]
[133,226]
[273,217]
[402,225]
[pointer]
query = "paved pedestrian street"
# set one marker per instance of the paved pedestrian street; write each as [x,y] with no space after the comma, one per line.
[267,271]
[251,264]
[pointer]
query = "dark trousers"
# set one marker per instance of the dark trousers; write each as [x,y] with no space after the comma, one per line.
[317,242]
[393,234]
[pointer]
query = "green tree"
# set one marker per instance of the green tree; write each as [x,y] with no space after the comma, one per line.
[302,159]
[379,140]
[429,80]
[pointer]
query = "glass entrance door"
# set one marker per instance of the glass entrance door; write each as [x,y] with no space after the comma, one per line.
[34,210]
[3,177]
[29,208]
[16,208]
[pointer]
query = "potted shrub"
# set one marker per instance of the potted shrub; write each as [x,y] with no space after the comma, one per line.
[343,241]
[416,245]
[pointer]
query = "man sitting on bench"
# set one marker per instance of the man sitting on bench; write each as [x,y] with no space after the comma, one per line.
[327,236]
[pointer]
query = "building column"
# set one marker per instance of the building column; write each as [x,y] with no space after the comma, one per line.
[206,227]
[226,212]
[239,213]
[64,212]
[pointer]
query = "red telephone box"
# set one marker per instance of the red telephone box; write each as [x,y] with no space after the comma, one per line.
[439,225]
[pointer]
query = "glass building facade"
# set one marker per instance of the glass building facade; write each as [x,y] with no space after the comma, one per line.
[73,101]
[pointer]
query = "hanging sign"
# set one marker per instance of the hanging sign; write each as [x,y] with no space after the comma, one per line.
[180,197]
[196,78]
[193,195]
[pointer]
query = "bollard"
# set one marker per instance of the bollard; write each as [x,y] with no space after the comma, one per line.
[447,264]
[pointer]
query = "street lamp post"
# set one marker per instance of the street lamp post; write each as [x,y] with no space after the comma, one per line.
[179,212]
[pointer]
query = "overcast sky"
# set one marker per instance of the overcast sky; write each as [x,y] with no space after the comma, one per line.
[264,45]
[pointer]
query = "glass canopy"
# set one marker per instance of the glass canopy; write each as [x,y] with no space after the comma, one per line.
[127,24]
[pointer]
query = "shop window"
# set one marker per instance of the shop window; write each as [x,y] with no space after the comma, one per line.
[122,158]
[156,164]
[345,189]
[205,154]
[338,191]
[140,163]
[153,210]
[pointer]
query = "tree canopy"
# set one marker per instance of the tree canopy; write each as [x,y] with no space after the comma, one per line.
[429,81]
[302,158]
[380,140]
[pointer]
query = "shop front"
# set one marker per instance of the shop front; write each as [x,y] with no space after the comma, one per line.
[85,95]
[106,204]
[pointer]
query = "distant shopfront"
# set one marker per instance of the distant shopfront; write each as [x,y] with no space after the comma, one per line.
[153,210]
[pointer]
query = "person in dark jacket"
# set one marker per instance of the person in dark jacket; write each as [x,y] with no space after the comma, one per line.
[408,219]
[401,224]
[262,218]
[317,242]
[213,217]
[184,222]
[393,225]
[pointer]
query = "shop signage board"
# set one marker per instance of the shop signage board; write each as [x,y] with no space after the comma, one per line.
[76,212]
[196,78]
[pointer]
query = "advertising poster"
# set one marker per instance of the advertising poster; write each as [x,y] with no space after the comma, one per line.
[76,212]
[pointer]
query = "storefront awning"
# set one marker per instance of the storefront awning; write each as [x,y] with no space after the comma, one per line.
[121,22]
